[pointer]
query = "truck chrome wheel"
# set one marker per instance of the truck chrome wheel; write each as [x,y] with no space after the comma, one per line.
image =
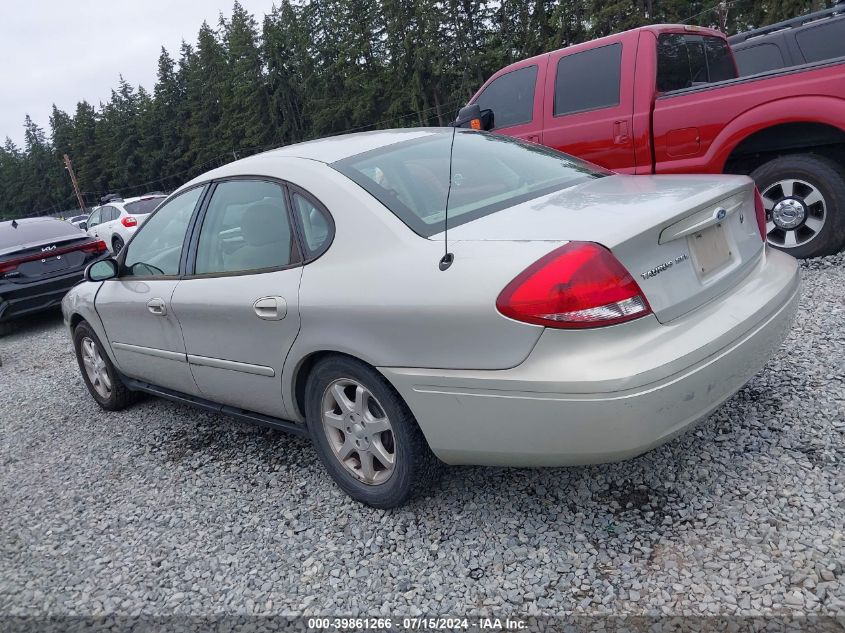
[359,431]
[795,212]
[95,367]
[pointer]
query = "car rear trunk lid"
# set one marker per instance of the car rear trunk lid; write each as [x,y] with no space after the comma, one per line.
[685,239]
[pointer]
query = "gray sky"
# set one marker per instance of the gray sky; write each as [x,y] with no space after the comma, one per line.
[64,51]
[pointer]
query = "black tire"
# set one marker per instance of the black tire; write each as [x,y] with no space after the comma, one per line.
[120,397]
[415,467]
[826,176]
[117,244]
[6,327]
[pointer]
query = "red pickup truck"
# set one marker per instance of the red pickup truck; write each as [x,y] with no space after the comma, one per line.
[667,99]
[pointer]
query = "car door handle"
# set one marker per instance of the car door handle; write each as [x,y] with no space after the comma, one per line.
[157,306]
[270,308]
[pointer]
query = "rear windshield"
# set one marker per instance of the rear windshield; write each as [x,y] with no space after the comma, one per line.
[34,231]
[143,207]
[684,61]
[489,173]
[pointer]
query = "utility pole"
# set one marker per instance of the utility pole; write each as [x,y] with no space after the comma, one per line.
[69,167]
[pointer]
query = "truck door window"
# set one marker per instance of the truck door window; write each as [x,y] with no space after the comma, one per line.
[510,97]
[684,61]
[588,80]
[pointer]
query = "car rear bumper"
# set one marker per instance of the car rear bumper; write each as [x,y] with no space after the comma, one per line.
[608,394]
[17,300]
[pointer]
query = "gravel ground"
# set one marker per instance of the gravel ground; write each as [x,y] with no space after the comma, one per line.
[163,509]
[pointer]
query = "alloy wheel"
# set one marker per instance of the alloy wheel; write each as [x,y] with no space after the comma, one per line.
[95,368]
[359,431]
[796,212]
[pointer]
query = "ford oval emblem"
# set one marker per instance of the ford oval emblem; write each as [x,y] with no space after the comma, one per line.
[720,214]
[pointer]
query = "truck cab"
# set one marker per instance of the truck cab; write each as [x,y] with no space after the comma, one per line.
[669,99]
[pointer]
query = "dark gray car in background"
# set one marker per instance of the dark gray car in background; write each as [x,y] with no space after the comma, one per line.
[40,260]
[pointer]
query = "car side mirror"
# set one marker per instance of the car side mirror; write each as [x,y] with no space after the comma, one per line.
[101,270]
[83,226]
[472,116]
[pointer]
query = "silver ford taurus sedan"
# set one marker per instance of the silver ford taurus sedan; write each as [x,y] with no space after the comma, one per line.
[567,316]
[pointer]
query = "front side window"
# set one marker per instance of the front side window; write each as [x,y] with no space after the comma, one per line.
[684,61]
[94,218]
[510,97]
[589,80]
[157,246]
[489,173]
[246,227]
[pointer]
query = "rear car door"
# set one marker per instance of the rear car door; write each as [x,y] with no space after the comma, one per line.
[135,308]
[589,104]
[239,305]
[105,229]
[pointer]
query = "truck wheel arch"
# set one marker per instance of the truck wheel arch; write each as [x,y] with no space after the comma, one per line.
[763,123]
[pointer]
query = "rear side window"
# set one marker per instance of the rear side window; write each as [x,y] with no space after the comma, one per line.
[94,219]
[823,41]
[759,59]
[588,80]
[110,213]
[316,227]
[143,207]
[510,97]
[246,227]
[684,61]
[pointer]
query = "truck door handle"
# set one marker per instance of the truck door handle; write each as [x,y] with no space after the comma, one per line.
[157,306]
[620,132]
[270,308]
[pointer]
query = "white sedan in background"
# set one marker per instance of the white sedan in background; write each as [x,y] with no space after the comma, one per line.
[116,221]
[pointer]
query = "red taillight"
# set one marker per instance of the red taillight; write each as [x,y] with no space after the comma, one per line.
[760,212]
[7,267]
[128,221]
[94,247]
[580,285]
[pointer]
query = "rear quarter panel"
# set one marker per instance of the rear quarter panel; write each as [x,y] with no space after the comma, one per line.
[696,130]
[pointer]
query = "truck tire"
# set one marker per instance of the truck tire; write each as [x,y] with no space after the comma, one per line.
[804,196]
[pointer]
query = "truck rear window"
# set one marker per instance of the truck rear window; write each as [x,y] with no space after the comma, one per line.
[684,61]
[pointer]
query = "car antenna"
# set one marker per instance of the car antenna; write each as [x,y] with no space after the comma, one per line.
[14,224]
[448,257]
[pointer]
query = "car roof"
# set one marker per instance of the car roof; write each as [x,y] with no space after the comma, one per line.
[324,150]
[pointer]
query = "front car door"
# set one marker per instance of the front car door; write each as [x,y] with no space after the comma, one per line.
[135,308]
[239,304]
[512,96]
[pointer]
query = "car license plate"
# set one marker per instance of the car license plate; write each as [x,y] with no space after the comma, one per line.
[710,248]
